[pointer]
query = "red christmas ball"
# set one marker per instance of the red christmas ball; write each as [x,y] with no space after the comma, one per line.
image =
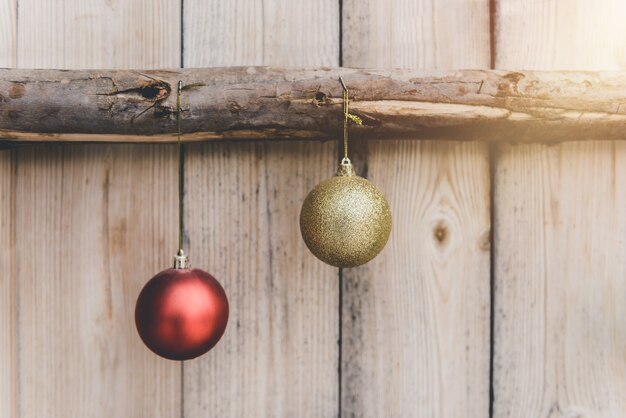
[181,313]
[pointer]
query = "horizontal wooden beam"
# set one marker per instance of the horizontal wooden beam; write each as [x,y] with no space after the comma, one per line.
[252,103]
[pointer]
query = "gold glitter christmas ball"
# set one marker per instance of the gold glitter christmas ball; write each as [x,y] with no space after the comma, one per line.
[345,220]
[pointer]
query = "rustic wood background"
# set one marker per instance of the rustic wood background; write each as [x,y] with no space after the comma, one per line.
[502,292]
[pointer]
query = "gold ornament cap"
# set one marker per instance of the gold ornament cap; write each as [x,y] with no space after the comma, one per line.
[345,221]
[345,168]
[181,261]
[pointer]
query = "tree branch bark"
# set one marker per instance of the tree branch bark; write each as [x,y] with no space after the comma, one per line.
[251,103]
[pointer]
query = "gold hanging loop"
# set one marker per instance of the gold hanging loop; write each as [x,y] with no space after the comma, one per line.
[347,117]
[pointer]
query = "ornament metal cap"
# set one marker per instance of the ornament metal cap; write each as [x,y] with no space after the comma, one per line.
[345,168]
[181,261]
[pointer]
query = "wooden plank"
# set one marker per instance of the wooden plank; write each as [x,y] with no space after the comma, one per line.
[561,280]
[99,34]
[560,35]
[559,227]
[8,308]
[8,33]
[95,223]
[416,318]
[416,34]
[279,355]
[278,32]
[8,286]
[258,103]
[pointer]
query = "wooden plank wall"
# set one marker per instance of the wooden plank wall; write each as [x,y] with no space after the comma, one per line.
[92,222]
[279,356]
[8,33]
[415,329]
[560,223]
[84,247]
[8,282]
[82,227]
[8,311]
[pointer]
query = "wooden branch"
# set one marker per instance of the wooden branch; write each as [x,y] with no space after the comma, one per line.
[278,103]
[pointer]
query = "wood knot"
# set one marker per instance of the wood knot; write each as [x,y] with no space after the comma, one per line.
[321,99]
[484,241]
[234,107]
[151,92]
[514,77]
[17,90]
[440,233]
[155,90]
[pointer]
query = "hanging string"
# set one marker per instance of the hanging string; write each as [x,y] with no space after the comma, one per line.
[180,172]
[347,117]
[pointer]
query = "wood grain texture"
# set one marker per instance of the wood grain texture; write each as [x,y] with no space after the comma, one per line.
[267,32]
[559,336]
[416,34]
[8,33]
[279,355]
[8,287]
[560,35]
[258,103]
[416,319]
[99,34]
[8,284]
[561,275]
[94,223]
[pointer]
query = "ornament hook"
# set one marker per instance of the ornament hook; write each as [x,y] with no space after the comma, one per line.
[345,89]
